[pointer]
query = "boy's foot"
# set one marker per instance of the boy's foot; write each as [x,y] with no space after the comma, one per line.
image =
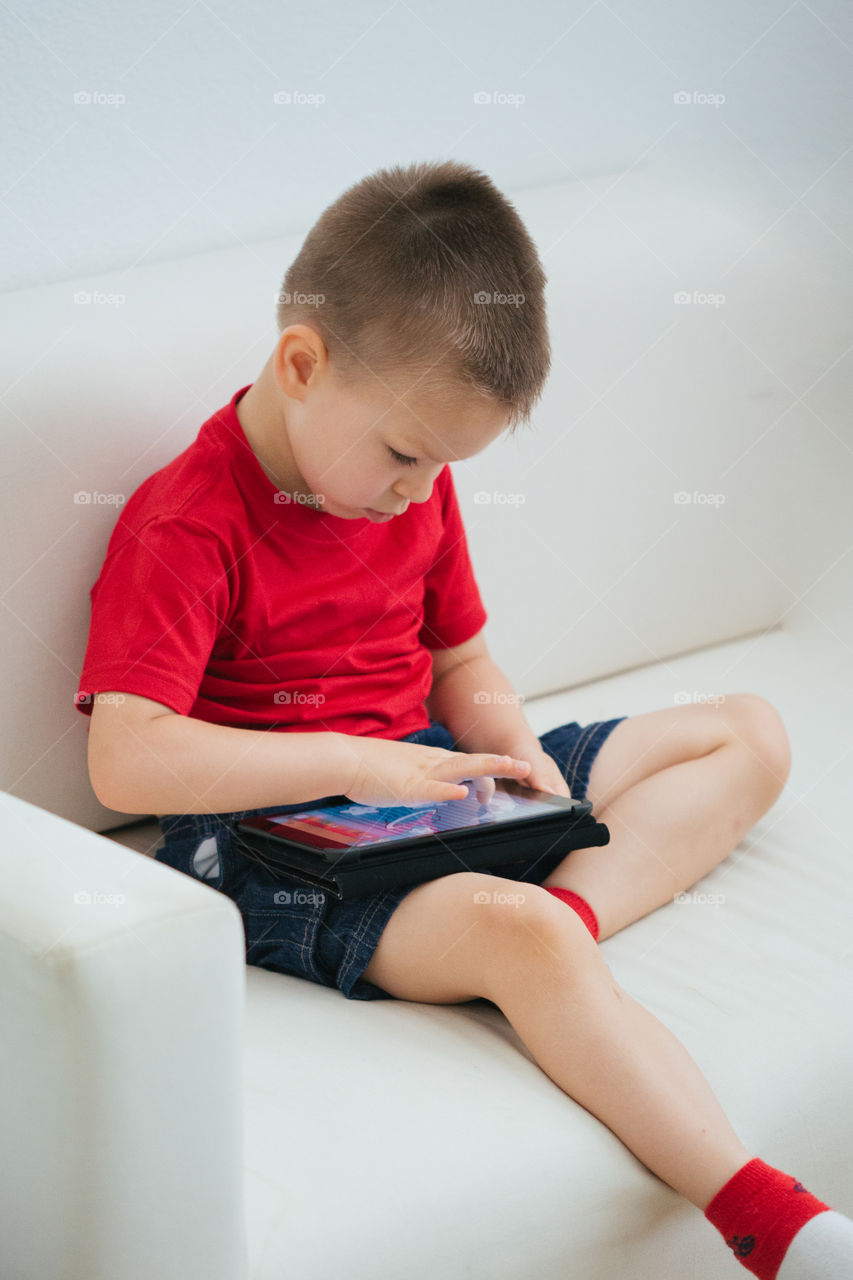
[778,1230]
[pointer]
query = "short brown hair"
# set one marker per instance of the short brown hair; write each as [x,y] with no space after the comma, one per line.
[426,272]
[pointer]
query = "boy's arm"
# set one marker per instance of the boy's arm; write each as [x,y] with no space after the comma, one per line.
[473,698]
[146,758]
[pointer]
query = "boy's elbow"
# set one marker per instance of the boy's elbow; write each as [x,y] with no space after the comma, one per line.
[105,779]
[103,790]
[119,768]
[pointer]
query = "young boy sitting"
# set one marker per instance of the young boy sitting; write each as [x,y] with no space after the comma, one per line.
[287,611]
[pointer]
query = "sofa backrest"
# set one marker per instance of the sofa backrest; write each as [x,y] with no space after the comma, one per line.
[652,507]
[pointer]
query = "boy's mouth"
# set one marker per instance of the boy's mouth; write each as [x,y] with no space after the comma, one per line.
[378,516]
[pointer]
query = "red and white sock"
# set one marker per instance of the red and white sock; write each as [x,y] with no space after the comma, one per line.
[777,1229]
[580,905]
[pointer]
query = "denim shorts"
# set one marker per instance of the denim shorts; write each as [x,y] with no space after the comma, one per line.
[293,928]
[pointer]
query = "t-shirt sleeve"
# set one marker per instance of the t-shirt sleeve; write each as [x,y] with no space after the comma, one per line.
[453,608]
[161,598]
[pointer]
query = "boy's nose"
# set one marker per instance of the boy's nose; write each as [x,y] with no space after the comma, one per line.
[412,491]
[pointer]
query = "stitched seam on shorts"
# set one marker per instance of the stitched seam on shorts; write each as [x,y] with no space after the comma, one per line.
[305,949]
[303,946]
[603,730]
[358,937]
[577,753]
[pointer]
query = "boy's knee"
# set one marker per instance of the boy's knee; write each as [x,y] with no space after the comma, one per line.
[526,915]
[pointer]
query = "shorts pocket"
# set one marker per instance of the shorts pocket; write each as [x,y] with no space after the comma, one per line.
[202,854]
[284,940]
[206,860]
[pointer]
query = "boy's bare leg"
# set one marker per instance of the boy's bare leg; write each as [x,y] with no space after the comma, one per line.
[666,833]
[540,965]
[672,828]
[622,1064]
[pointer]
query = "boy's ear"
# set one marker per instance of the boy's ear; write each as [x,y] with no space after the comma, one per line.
[299,353]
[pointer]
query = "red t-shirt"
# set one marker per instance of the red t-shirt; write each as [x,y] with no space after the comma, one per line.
[229,606]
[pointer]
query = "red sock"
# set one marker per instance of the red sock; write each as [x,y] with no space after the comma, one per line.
[580,905]
[758,1212]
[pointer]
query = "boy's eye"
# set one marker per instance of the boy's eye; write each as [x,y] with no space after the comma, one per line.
[401,457]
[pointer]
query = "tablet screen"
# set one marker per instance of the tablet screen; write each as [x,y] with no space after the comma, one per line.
[357,825]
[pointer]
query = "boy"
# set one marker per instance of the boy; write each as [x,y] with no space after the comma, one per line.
[287,611]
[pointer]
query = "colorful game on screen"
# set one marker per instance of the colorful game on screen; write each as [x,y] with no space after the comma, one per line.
[353,825]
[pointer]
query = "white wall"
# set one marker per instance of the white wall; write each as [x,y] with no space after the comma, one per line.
[198,155]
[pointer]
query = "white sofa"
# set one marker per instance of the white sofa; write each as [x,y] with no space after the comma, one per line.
[167,1110]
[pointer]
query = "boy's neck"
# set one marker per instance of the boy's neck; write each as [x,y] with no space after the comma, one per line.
[264,426]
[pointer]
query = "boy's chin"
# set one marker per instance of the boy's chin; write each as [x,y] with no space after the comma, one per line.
[331,507]
[344,511]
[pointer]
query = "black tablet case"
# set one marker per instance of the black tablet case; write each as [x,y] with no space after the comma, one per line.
[535,844]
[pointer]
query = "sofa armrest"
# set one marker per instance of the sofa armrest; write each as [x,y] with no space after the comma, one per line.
[122,986]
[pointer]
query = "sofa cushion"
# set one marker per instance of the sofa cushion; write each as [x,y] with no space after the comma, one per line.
[431,1141]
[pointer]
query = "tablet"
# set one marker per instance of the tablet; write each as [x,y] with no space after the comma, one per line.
[350,849]
[352,826]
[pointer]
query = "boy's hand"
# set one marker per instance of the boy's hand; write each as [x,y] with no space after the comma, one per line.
[544,773]
[389,772]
